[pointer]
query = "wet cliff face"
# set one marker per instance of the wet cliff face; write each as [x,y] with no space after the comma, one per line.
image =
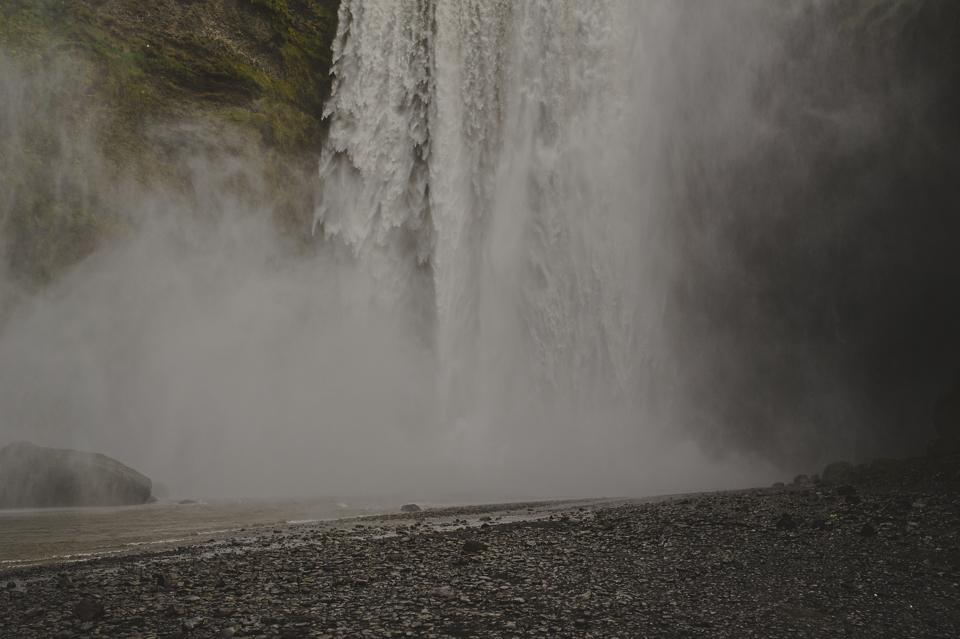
[816,303]
[100,93]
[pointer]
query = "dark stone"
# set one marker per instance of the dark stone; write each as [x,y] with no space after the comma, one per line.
[472,545]
[868,530]
[174,610]
[786,522]
[88,610]
[64,582]
[815,479]
[35,477]
[845,490]
[410,508]
[816,523]
[192,624]
[884,464]
[834,470]
[852,499]
[801,480]
[778,484]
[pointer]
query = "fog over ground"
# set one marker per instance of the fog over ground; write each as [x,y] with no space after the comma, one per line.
[718,251]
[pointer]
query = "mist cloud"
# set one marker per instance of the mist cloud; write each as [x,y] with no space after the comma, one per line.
[789,252]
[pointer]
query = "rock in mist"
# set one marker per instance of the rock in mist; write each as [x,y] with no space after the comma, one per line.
[36,477]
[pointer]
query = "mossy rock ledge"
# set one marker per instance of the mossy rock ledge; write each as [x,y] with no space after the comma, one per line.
[110,96]
[36,477]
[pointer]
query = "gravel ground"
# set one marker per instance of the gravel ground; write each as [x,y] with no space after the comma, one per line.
[874,553]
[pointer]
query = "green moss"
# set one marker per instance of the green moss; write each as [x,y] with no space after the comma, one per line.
[147,74]
[306,53]
[129,76]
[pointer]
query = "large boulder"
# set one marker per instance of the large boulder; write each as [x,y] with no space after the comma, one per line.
[36,477]
[836,470]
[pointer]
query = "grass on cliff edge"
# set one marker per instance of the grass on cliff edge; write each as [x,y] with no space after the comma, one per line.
[101,79]
[144,69]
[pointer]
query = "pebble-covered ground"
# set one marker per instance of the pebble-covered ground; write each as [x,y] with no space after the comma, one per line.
[875,556]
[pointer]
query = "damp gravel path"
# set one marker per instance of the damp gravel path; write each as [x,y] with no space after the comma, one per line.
[873,558]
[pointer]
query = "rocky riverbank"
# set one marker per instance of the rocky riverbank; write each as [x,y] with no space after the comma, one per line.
[872,558]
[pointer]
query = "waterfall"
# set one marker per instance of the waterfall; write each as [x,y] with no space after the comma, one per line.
[491,153]
[522,204]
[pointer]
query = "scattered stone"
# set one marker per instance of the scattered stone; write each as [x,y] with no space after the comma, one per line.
[409,508]
[192,624]
[445,592]
[845,490]
[679,567]
[88,610]
[473,545]
[786,522]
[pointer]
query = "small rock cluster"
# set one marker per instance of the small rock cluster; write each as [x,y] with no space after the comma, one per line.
[860,559]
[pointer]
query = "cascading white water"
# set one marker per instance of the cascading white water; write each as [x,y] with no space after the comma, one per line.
[484,316]
[499,147]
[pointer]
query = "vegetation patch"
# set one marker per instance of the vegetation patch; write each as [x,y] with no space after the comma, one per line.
[101,75]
